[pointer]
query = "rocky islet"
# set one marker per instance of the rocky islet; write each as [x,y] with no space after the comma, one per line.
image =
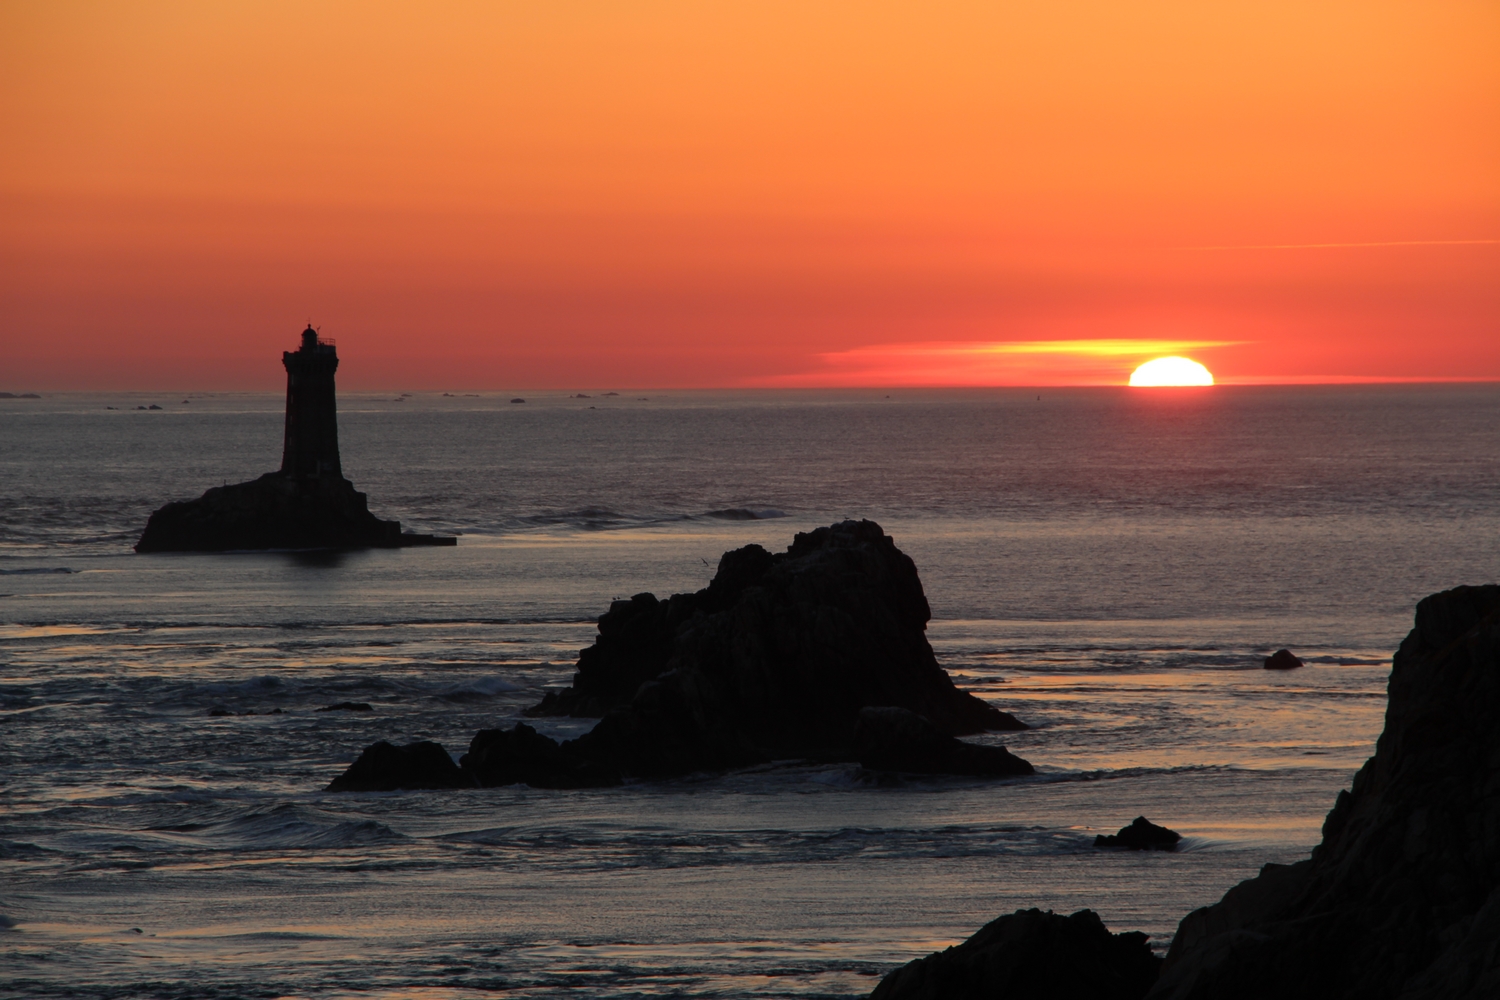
[306,504]
[815,653]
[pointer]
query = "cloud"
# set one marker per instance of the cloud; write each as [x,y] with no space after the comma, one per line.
[1105,361]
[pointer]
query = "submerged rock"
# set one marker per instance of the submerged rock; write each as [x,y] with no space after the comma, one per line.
[1282,659]
[894,739]
[1031,954]
[384,767]
[1402,897]
[1141,835]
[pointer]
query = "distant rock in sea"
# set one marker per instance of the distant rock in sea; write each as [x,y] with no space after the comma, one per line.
[1141,835]
[307,504]
[1401,900]
[1282,659]
[782,656]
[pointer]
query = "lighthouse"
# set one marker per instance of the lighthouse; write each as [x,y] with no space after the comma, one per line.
[311,445]
[306,504]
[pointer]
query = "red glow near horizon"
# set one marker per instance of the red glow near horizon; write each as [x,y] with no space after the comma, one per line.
[673,194]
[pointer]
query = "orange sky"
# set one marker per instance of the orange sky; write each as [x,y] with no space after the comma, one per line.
[568,194]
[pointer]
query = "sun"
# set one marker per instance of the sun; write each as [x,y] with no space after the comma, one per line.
[1171,371]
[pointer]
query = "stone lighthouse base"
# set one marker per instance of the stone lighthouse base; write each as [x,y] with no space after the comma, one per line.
[276,511]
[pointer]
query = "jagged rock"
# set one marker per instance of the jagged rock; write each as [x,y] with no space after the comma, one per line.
[384,768]
[894,739]
[1141,835]
[773,660]
[1031,954]
[635,641]
[1282,659]
[1402,897]
[521,755]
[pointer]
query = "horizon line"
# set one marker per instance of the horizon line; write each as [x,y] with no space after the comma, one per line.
[1227,381]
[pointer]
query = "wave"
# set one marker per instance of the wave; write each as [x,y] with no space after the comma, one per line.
[37,569]
[16,850]
[746,514]
[479,689]
[615,849]
[291,826]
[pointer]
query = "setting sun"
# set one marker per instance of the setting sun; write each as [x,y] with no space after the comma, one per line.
[1171,371]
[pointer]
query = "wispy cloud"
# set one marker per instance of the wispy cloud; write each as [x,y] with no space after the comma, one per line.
[1377,243]
[1103,361]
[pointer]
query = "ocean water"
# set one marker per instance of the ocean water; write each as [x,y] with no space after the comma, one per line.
[1109,565]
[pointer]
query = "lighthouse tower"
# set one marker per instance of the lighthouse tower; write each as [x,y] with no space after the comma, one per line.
[311,447]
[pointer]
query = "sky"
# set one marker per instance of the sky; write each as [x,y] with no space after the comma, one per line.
[604,194]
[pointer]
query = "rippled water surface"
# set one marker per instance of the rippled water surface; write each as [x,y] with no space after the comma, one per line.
[1110,566]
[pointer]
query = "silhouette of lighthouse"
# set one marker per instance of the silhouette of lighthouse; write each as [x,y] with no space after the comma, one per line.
[311,447]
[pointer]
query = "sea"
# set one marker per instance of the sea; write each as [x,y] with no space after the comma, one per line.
[1110,565]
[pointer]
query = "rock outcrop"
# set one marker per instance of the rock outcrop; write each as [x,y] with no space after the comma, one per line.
[521,755]
[1031,954]
[773,660]
[1402,898]
[894,739]
[384,767]
[777,658]
[1141,835]
[276,511]
[1282,659]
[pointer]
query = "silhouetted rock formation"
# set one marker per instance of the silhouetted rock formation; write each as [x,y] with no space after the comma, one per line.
[383,767]
[894,739]
[272,512]
[521,755]
[308,504]
[1141,835]
[775,659]
[837,622]
[1282,659]
[1402,898]
[1031,954]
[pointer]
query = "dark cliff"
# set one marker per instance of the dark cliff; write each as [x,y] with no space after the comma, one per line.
[1402,898]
